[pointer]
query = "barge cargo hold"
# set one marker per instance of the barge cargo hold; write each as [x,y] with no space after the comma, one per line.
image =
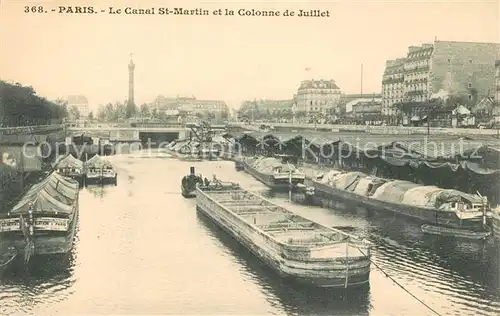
[273,172]
[427,204]
[295,247]
[43,221]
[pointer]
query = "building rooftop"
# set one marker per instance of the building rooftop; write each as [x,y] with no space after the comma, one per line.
[354,96]
[318,84]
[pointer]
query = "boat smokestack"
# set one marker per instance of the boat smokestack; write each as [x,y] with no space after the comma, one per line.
[191,170]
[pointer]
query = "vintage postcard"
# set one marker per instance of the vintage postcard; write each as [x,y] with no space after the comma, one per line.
[249,157]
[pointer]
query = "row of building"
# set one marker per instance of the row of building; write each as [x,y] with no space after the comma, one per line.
[191,107]
[466,73]
[167,106]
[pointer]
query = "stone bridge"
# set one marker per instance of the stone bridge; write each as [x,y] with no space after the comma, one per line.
[132,134]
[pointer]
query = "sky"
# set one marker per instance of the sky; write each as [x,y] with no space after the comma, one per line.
[231,58]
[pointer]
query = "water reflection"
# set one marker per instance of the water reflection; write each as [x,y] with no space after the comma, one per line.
[46,280]
[99,190]
[467,272]
[295,299]
[142,248]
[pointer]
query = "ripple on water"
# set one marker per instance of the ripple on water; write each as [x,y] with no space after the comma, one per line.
[151,252]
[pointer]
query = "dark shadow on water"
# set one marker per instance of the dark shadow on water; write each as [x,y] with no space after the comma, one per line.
[466,269]
[99,190]
[477,260]
[296,299]
[45,280]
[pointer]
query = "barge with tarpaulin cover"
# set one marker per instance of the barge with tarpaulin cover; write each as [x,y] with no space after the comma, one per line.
[69,166]
[43,220]
[295,247]
[275,172]
[190,150]
[100,170]
[429,204]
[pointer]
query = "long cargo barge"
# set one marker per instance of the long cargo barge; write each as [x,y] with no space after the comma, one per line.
[273,172]
[428,204]
[295,247]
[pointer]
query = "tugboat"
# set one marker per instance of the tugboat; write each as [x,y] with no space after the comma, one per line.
[188,184]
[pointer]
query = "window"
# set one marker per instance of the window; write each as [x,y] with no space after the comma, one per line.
[470,97]
[470,85]
[449,60]
[470,61]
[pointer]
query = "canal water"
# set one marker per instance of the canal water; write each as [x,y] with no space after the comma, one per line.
[143,249]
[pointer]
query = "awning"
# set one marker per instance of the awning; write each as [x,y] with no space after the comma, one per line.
[69,162]
[54,194]
[98,162]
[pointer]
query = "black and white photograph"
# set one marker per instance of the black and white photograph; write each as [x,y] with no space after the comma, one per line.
[249,157]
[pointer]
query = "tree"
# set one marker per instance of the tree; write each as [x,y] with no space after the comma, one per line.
[74,113]
[63,107]
[154,113]
[101,113]
[20,106]
[109,112]
[120,111]
[90,116]
[161,115]
[130,110]
[144,110]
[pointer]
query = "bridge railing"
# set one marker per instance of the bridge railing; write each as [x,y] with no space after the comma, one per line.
[374,129]
[30,129]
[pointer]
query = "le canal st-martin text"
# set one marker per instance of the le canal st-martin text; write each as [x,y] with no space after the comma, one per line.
[175,11]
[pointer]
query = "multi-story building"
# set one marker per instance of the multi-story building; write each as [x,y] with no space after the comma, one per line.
[81,103]
[464,70]
[268,110]
[367,111]
[191,106]
[393,85]
[348,100]
[317,96]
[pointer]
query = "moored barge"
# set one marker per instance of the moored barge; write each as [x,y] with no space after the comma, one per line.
[295,247]
[69,166]
[273,172]
[100,170]
[43,221]
[427,204]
